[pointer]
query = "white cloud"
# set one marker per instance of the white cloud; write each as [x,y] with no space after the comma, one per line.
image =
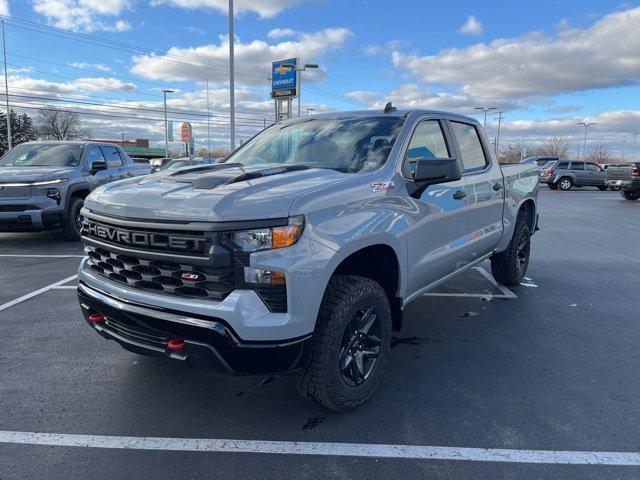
[4,8]
[604,55]
[27,85]
[253,60]
[98,84]
[378,50]
[196,30]
[92,66]
[281,33]
[472,26]
[264,8]
[85,15]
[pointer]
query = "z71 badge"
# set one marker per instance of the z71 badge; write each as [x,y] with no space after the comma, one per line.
[382,186]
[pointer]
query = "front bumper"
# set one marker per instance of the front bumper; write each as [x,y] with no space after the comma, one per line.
[15,218]
[209,343]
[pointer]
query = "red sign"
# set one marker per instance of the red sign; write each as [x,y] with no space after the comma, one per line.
[185,131]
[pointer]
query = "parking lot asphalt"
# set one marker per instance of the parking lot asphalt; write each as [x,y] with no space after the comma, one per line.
[550,366]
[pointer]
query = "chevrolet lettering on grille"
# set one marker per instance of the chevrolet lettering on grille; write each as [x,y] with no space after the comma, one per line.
[144,239]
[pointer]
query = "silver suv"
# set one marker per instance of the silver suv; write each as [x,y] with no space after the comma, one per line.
[564,175]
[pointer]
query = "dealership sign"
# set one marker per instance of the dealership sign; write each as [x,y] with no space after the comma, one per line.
[285,78]
[185,132]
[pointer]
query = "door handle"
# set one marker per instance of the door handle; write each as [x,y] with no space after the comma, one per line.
[497,186]
[459,195]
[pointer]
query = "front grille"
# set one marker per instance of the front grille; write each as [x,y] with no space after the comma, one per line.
[174,278]
[191,264]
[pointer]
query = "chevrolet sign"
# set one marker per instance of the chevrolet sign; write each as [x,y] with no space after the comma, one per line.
[131,238]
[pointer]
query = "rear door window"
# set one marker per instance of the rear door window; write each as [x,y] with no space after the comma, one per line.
[471,151]
[577,166]
[563,165]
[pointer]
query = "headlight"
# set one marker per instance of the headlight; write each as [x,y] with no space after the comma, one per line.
[269,238]
[33,184]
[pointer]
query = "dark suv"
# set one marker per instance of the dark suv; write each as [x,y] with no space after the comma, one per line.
[564,175]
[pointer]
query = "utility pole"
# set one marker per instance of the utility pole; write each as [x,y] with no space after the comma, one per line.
[635,138]
[485,110]
[208,123]
[6,87]
[166,128]
[232,93]
[500,118]
[624,144]
[122,133]
[584,145]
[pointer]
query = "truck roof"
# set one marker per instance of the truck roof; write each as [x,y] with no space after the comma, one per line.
[395,113]
[69,142]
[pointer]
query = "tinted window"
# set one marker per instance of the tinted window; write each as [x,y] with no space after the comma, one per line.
[577,166]
[563,165]
[427,142]
[93,155]
[112,156]
[470,147]
[44,155]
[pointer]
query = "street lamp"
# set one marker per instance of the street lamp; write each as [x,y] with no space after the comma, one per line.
[166,130]
[306,66]
[485,110]
[584,145]
[310,110]
[232,84]
[635,138]
[122,133]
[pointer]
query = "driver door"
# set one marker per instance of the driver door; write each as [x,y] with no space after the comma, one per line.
[102,176]
[437,216]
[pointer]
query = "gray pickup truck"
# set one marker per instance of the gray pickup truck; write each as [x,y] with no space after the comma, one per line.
[43,184]
[300,253]
[625,178]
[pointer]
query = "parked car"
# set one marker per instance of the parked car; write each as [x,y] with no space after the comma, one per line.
[158,163]
[625,178]
[300,252]
[564,174]
[43,184]
[539,162]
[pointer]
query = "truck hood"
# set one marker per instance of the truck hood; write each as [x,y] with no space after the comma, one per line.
[223,192]
[33,174]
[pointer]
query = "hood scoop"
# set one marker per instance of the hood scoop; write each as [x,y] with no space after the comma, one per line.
[213,176]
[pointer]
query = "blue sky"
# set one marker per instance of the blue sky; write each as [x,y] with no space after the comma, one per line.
[548,64]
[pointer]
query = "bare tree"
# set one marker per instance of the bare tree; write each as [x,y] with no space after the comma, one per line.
[510,154]
[553,147]
[598,154]
[56,124]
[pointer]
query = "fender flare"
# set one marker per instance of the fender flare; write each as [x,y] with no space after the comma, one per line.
[76,187]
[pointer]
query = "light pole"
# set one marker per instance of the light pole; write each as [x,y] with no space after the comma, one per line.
[635,138]
[624,145]
[122,133]
[584,145]
[6,88]
[310,110]
[485,110]
[500,118]
[306,66]
[166,128]
[232,87]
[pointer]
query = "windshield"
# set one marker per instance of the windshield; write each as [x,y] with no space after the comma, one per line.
[43,155]
[350,144]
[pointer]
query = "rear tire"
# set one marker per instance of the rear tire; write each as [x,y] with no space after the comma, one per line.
[73,222]
[553,186]
[630,195]
[347,358]
[565,183]
[601,188]
[510,267]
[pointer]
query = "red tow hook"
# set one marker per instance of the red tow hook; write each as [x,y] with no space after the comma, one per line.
[176,344]
[96,317]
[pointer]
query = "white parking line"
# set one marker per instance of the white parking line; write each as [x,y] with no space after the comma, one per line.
[323,449]
[505,291]
[40,256]
[65,287]
[37,292]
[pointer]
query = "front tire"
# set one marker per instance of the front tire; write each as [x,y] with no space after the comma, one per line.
[73,222]
[630,195]
[510,267]
[350,345]
[565,183]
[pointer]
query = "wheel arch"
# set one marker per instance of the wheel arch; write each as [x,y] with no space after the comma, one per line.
[77,190]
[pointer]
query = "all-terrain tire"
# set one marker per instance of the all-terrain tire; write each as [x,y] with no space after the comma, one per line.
[510,267]
[321,380]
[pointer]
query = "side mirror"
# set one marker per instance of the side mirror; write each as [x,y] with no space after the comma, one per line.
[430,171]
[98,165]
